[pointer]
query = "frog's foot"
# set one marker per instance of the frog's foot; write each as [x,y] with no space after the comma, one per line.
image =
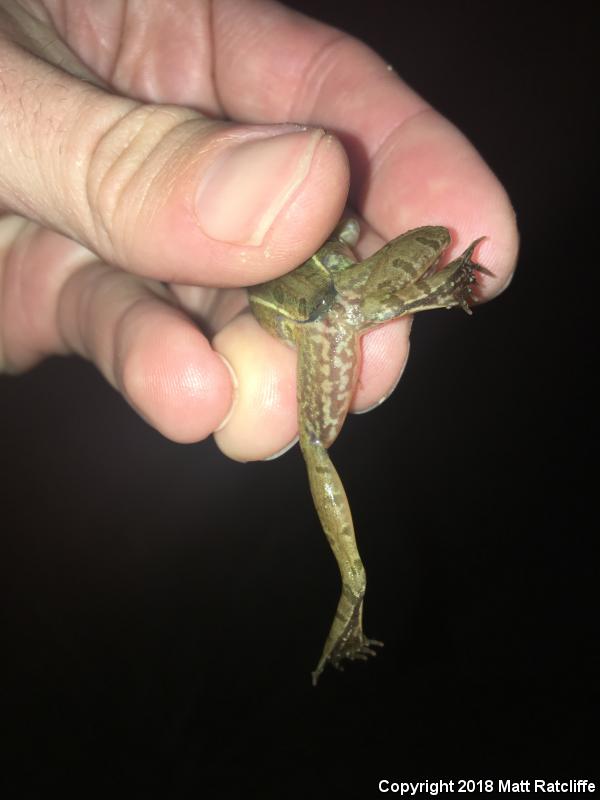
[451,286]
[356,648]
[455,281]
[346,642]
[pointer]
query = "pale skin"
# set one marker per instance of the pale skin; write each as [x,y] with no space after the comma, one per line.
[127,206]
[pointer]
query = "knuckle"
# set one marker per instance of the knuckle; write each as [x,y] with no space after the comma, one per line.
[126,158]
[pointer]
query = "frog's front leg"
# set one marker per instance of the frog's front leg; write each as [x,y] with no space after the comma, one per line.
[328,361]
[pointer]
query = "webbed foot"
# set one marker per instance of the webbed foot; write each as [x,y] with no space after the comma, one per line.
[456,279]
[448,287]
[346,642]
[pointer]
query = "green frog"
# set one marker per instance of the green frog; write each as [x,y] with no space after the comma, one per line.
[322,308]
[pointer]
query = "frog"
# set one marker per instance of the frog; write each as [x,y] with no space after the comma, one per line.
[322,308]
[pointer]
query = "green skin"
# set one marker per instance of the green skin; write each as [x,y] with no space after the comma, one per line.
[322,308]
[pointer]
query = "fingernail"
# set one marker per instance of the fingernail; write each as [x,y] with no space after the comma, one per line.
[242,193]
[382,400]
[283,450]
[235,384]
[377,403]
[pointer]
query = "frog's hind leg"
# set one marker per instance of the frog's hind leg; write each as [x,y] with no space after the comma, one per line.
[451,286]
[445,288]
[346,639]
[327,370]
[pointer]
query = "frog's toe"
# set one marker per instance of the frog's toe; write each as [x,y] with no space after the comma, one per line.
[367,648]
[462,277]
[355,648]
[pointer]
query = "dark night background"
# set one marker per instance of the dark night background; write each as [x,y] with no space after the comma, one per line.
[162,607]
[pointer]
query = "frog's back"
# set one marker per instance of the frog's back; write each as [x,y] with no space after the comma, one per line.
[306,293]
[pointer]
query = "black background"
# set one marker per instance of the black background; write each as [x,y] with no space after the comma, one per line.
[162,607]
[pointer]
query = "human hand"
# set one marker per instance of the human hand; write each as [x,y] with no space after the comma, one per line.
[123,216]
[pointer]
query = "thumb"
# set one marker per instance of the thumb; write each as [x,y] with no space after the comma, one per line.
[161,190]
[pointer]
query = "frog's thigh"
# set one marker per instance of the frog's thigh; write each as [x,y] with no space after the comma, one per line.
[327,372]
[322,409]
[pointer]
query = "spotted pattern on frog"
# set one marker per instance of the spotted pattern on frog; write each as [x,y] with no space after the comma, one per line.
[322,308]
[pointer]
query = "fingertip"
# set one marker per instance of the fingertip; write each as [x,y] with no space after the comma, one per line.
[264,417]
[311,215]
[499,250]
[171,376]
[437,176]
[384,352]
